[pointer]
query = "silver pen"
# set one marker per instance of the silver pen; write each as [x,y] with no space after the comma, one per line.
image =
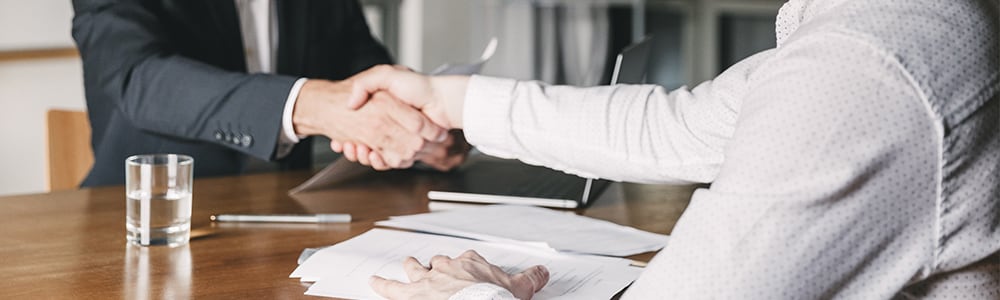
[314,218]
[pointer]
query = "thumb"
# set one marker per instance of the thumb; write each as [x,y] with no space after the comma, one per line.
[368,82]
[390,289]
[530,281]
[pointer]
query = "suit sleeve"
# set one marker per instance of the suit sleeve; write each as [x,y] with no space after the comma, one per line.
[129,61]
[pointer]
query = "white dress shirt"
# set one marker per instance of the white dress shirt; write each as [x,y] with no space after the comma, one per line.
[859,159]
[259,30]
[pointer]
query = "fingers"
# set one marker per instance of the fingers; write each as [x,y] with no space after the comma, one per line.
[395,131]
[375,159]
[390,289]
[414,121]
[368,82]
[336,146]
[349,152]
[435,155]
[446,155]
[414,270]
[363,154]
[473,255]
[439,260]
[377,162]
[382,130]
[535,277]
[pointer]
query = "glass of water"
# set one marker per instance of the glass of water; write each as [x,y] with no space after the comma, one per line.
[158,199]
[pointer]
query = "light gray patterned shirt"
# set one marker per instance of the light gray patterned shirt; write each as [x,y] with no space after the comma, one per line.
[859,159]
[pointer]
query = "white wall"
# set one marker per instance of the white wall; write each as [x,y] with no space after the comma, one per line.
[35,24]
[30,87]
[435,32]
[27,90]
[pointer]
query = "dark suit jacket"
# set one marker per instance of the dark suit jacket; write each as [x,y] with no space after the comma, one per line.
[169,76]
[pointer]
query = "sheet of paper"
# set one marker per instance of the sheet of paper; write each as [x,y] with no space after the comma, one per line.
[468,68]
[343,170]
[337,172]
[343,270]
[529,225]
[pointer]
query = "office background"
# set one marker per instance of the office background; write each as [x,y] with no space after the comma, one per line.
[558,41]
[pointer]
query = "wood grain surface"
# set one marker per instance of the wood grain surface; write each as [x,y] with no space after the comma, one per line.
[71,244]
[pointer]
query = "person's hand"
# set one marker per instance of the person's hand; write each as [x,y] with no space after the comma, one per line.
[440,98]
[389,127]
[441,156]
[447,276]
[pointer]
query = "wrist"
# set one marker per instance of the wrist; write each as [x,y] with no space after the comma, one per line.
[288,134]
[449,92]
[306,114]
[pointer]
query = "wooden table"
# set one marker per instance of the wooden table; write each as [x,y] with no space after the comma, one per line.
[72,244]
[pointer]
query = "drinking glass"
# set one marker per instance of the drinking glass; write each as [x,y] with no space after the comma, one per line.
[158,199]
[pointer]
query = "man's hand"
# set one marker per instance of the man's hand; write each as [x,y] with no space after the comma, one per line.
[447,276]
[440,98]
[441,156]
[398,132]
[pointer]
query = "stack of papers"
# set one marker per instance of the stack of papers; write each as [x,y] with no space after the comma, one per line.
[534,227]
[343,270]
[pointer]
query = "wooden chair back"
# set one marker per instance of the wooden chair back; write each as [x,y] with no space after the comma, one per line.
[69,155]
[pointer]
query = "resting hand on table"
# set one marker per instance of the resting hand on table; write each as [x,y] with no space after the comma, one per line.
[446,276]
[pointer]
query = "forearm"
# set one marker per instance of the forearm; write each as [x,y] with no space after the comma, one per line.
[631,133]
[187,99]
[637,133]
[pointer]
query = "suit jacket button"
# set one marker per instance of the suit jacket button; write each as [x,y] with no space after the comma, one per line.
[219,135]
[247,140]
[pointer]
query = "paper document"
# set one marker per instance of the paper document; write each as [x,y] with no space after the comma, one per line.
[343,170]
[339,171]
[343,270]
[534,226]
[468,68]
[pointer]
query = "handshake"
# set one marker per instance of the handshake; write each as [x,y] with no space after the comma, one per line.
[387,117]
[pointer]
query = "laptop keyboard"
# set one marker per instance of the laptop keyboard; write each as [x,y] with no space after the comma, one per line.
[551,187]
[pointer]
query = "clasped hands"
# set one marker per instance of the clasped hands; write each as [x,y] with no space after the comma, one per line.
[367,120]
[395,117]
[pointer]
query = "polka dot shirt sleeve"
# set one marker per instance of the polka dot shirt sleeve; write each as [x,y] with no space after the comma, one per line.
[637,133]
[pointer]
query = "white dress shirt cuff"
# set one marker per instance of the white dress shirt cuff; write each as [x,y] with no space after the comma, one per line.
[287,138]
[482,291]
[486,115]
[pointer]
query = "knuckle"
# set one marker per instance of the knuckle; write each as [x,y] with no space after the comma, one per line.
[417,144]
[380,125]
[397,162]
[439,259]
[417,124]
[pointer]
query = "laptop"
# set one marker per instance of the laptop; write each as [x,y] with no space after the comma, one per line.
[485,179]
